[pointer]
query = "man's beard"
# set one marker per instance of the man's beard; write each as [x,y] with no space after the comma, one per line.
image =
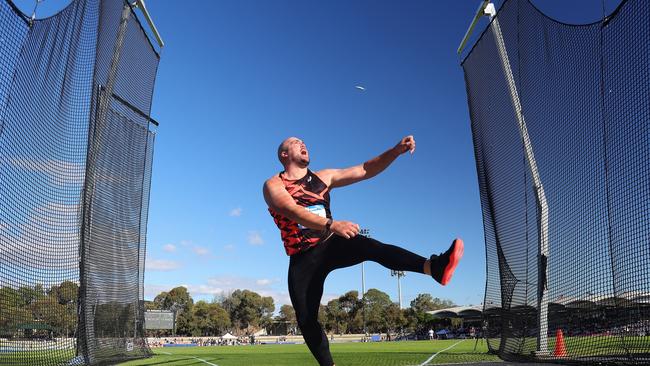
[304,162]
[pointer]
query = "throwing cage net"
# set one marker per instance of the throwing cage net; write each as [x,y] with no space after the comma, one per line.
[560,118]
[76,147]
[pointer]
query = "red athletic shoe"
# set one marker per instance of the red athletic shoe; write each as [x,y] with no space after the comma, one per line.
[443,265]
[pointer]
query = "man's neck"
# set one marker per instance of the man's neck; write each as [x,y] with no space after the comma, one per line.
[293,172]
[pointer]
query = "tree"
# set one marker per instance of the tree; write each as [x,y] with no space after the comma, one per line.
[410,319]
[12,311]
[350,302]
[184,323]
[47,310]
[335,317]
[248,309]
[66,293]
[287,314]
[376,303]
[421,305]
[424,302]
[219,319]
[30,295]
[178,300]
[159,300]
[394,318]
[321,313]
[352,306]
[268,307]
[209,319]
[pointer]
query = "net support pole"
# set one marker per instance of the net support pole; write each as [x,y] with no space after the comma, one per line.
[140,4]
[540,197]
[487,8]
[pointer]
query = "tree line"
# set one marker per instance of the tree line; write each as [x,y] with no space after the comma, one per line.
[51,311]
[38,311]
[244,312]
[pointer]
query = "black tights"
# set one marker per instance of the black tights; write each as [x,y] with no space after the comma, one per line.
[308,270]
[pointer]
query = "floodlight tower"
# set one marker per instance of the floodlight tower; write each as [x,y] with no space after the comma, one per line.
[364,232]
[487,8]
[398,274]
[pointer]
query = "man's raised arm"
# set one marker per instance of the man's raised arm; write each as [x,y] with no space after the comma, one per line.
[372,167]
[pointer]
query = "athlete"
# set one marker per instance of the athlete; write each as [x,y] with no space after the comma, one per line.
[299,202]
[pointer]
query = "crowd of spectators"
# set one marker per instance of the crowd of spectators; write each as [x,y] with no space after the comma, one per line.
[202,342]
[639,328]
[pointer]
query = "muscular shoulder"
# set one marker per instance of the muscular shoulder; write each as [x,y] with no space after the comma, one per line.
[326,175]
[273,191]
[273,182]
[275,179]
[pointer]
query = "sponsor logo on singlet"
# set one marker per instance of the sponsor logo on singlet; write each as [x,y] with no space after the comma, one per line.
[315,209]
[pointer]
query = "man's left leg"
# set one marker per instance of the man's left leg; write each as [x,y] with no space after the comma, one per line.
[348,252]
[343,253]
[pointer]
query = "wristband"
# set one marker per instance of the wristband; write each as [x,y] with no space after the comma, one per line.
[328,224]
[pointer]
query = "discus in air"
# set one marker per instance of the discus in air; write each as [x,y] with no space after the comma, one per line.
[360,87]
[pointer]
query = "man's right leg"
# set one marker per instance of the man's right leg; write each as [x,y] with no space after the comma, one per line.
[306,280]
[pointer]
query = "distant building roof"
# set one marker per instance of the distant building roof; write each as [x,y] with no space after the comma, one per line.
[625,299]
[472,311]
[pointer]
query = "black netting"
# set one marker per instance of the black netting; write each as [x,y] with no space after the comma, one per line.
[76,148]
[583,93]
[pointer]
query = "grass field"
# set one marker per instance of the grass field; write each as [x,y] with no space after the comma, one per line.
[416,353]
[36,357]
[348,354]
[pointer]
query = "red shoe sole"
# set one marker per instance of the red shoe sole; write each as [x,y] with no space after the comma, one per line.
[454,258]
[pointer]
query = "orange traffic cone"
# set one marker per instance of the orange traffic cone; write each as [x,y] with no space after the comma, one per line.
[560,348]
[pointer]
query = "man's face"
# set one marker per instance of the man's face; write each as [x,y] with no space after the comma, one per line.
[297,151]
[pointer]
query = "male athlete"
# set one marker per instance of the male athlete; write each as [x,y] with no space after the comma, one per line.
[299,202]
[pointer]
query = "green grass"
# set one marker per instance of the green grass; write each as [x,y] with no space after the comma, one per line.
[345,354]
[348,354]
[35,357]
[592,346]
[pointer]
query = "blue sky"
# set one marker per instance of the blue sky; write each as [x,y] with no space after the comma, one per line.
[237,77]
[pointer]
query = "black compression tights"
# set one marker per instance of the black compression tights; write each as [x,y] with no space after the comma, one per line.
[308,270]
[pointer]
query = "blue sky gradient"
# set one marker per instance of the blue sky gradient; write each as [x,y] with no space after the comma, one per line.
[237,77]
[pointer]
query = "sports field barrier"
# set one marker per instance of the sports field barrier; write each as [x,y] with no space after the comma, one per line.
[560,117]
[76,148]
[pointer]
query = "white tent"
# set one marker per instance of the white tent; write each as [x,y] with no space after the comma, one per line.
[228,336]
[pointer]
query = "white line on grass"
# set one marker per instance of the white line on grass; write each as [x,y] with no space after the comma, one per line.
[209,363]
[437,353]
[196,358]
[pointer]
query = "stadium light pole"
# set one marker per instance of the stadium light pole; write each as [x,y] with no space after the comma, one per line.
[487,9]
[364,232]
[398,274]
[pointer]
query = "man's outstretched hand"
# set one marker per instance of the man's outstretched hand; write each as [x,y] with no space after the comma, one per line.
[406,144]
[345,229]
